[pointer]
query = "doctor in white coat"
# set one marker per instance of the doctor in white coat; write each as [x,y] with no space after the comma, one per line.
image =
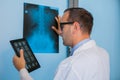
[87,61]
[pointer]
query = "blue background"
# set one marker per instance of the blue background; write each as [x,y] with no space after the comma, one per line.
[106,32]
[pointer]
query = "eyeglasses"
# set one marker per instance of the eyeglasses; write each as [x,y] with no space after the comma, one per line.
[64,23]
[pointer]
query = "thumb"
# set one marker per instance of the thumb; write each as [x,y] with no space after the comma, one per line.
[54,28]
[21,53]
[59,32]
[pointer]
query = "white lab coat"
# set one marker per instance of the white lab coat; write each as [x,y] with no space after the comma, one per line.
[88,62]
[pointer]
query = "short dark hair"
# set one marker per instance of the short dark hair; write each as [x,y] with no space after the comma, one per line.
[81,16]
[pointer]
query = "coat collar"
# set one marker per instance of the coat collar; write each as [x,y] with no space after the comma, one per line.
[85,46]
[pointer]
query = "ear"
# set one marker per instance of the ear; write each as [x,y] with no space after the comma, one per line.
[76,26]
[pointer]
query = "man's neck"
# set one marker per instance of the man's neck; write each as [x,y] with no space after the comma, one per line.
[79,39]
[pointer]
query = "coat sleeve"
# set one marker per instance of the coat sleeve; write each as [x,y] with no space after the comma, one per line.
[24,75]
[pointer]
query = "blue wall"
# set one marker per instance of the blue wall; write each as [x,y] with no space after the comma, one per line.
[106,32]
[106,29]
[11,27]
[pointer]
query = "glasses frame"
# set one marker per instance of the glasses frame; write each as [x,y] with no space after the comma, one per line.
[64,23]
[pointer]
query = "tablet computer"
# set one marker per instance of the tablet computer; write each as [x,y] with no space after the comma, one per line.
[31,61]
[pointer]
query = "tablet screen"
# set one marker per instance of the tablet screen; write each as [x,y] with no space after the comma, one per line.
[31,61]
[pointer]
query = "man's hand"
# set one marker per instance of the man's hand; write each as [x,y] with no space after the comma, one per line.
[58,31]
[19,62]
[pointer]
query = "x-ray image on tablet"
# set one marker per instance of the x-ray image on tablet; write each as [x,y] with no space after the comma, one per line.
[31,61]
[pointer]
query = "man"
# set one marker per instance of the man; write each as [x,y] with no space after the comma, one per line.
[87,61]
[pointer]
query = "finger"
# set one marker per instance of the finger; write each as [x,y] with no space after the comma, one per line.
[15,58]
[58,21]
[54,28]
[56,18]
[21,53]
